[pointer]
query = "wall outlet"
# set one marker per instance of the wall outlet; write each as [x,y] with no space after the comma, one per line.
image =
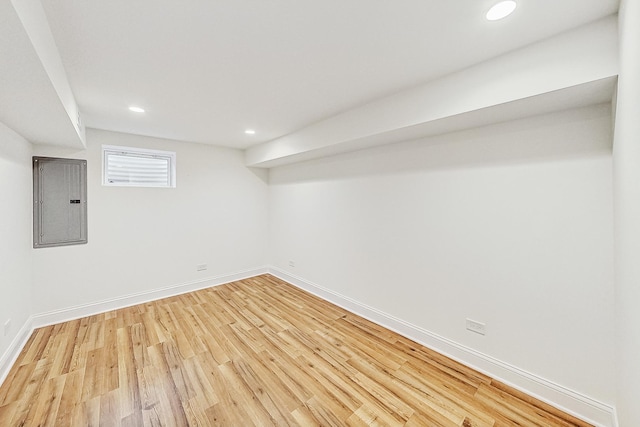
[477,327]
[201,267]
[7,327]
[292,264]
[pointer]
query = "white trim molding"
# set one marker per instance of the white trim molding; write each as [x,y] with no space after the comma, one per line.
[572,402]
[567,400]
[13,351]
[84,310]
[63,315]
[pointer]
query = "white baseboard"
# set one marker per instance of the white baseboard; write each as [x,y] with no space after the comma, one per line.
[569,401]
[13,351]
[84,310]
[63,315]
[584,407]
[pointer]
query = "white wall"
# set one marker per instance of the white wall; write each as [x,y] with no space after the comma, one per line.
[15,236]
[143,239]
[509,224]
[626,154]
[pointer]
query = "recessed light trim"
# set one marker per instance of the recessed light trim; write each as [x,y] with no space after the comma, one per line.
[136,109]
[250,132]
[501,10]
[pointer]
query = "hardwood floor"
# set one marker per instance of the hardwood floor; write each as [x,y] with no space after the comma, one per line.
[254,352]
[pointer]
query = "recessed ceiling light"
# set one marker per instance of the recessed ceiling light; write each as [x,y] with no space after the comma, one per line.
[136,109]
[501,10]
[250,132]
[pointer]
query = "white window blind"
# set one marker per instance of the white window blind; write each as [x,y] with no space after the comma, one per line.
[136,167]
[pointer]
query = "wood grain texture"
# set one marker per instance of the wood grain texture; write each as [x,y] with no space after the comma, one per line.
[254,352]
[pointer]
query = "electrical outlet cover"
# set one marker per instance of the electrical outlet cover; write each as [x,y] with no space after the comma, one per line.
[477,327]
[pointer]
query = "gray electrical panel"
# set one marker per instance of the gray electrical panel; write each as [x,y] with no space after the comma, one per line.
[60,202]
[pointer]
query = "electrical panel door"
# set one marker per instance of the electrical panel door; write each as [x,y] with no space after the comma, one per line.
[60,202]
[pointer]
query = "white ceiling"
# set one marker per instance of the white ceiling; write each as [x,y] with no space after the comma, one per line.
[205,70]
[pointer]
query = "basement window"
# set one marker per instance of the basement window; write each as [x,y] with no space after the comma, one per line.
[138,167]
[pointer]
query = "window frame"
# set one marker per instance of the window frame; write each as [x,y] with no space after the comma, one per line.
[140,153]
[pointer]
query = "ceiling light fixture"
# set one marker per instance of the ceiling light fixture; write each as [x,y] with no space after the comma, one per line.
[501,10]
[250,132]
[136,109]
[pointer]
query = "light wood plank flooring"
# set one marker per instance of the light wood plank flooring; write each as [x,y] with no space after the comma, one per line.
[254,352]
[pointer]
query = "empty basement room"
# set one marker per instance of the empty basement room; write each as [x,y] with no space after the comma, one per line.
[236,213]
